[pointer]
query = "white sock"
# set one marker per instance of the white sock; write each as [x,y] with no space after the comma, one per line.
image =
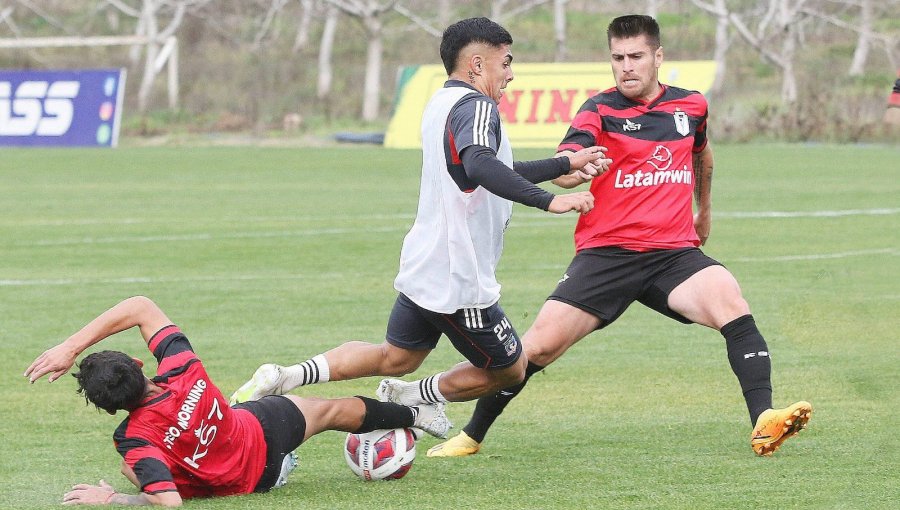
[311,371]
[427,389]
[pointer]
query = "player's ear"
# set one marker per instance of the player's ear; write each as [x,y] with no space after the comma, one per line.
[475,63]
[658,57]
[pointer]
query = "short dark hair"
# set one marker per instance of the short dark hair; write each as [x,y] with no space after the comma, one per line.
[111,380]
[468,31]
[634,25]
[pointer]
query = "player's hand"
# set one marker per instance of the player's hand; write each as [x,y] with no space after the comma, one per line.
[589,162]
[703,225]
[582,201]
[55,361]
[87,494]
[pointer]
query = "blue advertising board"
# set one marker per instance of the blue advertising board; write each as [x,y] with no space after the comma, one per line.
[79,107]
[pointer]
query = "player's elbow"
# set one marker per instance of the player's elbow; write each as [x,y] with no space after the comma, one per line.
[167,499]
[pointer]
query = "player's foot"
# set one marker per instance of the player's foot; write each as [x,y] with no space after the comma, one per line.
[267,380]
[400,392]
[775,426]
[432,419]
[287,465]
[459,445]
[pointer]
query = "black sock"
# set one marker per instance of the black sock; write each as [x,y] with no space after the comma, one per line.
[384,415]
[490,407]
[749,358]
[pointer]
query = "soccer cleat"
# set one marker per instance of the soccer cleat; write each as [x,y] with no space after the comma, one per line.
[287,465]
[432,419]
[775,426]
[459,445]
[267,380]
[399,392]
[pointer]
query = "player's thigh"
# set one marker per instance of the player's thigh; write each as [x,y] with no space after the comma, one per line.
[329,414]
[557,327]
[711,297]
[410,337]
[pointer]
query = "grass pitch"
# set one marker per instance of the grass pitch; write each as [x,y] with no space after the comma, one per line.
[278,254]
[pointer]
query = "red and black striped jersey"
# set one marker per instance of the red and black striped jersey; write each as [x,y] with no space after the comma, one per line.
[187,438]
[643,202]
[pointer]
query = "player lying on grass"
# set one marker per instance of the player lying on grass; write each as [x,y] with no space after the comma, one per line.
[642,241]
[447,282]
[180,438]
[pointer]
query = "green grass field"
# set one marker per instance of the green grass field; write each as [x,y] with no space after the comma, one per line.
[278,254]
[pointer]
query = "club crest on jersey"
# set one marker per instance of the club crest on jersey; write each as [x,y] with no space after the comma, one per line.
[681,123]
[630,126]
[661,159]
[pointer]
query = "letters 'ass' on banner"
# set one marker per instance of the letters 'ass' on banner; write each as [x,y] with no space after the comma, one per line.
[538,105]
[62,108]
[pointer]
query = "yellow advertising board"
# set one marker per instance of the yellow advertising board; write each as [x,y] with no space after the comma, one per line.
[538,105]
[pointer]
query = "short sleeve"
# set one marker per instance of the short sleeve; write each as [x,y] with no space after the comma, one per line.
[146,460]
[700,139]
[585,129]
[172,350]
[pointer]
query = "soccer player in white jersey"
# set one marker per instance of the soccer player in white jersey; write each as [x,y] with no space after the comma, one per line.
[447,283]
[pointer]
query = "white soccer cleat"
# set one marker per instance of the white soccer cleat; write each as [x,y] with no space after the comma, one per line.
[267,380]
[400,392]
[287,465]
[432,419]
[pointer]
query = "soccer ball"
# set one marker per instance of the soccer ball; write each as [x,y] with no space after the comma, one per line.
[381,454]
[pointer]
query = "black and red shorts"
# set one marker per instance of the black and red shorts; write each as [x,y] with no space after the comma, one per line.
[283,428]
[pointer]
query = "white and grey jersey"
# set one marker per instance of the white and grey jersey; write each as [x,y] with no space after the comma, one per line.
[450,254]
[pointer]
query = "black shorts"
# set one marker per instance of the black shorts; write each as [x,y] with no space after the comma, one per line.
[483,335]
[605,281]
[283,428]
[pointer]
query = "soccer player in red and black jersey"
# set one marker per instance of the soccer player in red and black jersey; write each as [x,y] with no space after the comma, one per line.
[641,241]
[181,439]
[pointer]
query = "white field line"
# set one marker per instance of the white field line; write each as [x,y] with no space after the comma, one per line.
[65,222]
[363,229]
[208,236]
[818,256]
[49,282]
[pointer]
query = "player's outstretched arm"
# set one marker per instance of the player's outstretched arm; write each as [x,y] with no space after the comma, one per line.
[104,494]
[585,165]
[581,201]
[134,311]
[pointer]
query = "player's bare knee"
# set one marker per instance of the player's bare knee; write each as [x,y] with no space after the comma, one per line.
[399,362]
[507,377]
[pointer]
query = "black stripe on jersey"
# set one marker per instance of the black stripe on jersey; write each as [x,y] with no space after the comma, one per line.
[124,443]
[654,126]
[163,378]
[172,345]
[149,470]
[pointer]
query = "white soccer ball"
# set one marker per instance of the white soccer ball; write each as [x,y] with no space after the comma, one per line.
[381,454]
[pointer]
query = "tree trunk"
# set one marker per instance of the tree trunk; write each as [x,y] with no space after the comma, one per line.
[326,48]
[443,14]
[559,25]
[789,23]
[148,20]
[864,42]
[720,54]
[301,40]
[372,87]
